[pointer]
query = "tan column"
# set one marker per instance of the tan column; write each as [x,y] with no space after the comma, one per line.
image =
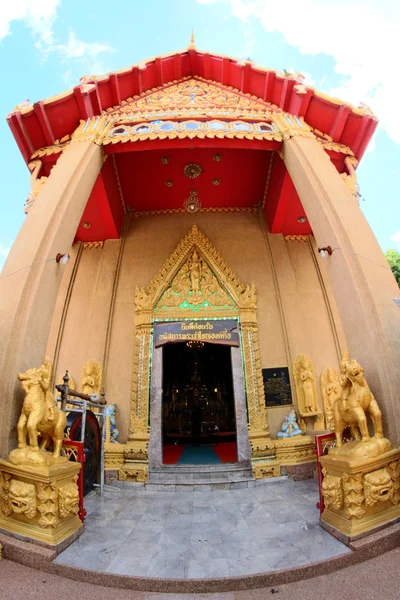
[362,282]
[31,277]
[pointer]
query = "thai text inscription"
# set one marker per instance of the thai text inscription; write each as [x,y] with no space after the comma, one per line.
[214,331]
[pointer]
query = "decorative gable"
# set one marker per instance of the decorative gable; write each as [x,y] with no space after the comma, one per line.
[191,98]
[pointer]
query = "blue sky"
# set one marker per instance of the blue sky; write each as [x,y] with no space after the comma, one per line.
[345,47]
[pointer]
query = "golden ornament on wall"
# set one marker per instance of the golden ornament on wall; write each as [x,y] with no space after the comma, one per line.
[192,170]
[169,183]
[216,181]
[165,160]
[217,157]
[91,377]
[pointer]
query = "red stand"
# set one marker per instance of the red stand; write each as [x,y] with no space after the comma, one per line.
[322,444]
[75,451]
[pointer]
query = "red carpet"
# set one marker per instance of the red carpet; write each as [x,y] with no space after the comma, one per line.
[171,454]
[226,452]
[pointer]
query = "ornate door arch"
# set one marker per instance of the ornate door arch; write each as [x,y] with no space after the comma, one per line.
[196,283]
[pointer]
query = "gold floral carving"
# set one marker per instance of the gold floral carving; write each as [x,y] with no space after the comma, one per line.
[22,498]
[47,506]
[353,490]
[5,504]
[189,97]
[332,491]
[394,467]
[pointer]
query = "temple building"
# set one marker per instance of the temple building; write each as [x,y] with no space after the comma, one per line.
[194,245]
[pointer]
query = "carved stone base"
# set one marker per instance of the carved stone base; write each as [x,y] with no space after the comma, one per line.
[113,456]
[360,495]
[295,450]
[134,471]
[265,469]
[40,503]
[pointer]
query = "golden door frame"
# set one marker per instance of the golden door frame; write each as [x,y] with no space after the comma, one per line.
[242,305]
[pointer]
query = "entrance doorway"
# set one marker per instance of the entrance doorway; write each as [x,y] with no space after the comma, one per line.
[198,405]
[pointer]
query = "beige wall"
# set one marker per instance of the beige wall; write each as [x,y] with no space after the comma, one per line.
[293,311]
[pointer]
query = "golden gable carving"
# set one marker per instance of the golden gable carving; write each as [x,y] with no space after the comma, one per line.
[191,97]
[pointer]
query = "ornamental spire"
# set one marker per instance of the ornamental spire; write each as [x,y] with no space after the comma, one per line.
[192,45]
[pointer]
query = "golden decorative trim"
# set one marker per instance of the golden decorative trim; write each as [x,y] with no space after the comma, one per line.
[238,129]
[296,238]
[91,130]
[92,245]
[335,147]
[182,211]
[58,146]
[295,450]
[191,97]
[291,125]
[121,195]
[350,178]
[36,183]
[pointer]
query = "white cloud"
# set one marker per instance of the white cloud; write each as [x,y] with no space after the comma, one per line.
[361,35]
[39,16]
[396,238]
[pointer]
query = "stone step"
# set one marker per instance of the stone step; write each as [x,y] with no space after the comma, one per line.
[201,486]
[199,468]
[202,473]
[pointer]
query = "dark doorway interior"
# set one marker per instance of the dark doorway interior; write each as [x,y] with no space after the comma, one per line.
[199,425]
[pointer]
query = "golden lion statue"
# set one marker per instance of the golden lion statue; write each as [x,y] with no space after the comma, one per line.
[349,410]
[39,415]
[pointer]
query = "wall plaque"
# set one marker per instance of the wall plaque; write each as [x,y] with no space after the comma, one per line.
[214,331]
[277,387]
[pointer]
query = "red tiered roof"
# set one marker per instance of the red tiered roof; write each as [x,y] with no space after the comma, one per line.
[141,174]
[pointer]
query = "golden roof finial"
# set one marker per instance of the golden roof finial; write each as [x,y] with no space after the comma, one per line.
[191,45]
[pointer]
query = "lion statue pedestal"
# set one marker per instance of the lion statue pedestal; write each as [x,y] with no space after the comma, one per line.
[41,504]
[360,494]
[361,484]
[39,495]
